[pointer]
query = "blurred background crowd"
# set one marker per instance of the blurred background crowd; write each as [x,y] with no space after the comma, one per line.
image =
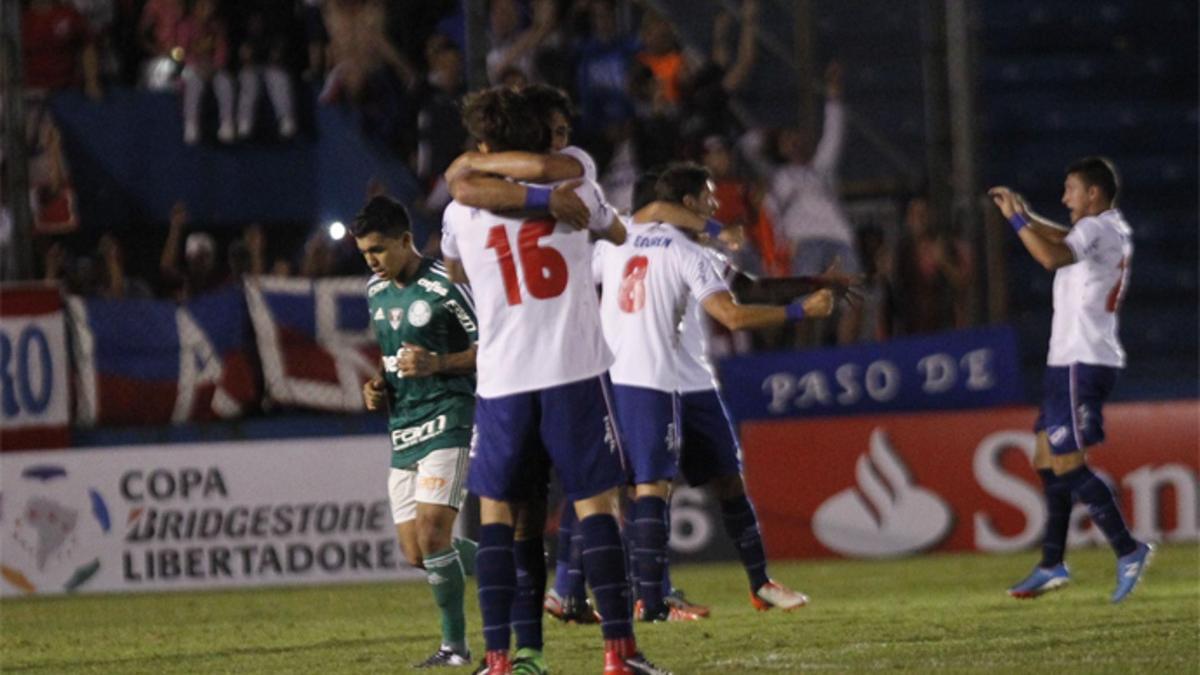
[652,82]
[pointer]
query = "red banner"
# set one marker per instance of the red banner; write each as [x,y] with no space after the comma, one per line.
[892,485]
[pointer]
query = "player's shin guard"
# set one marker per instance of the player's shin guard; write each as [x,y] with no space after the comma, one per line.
[1058,518]
[530,557]
[496,573]
[445,574]
[650,550]
[604,566]
[1093,491]
[741,524]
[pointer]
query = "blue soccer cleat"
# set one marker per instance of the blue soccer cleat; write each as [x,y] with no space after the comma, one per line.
[1130,569]
[1041,580]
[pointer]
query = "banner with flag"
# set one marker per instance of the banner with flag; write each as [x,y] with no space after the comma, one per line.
[159,362]
[34,394]
[315,340]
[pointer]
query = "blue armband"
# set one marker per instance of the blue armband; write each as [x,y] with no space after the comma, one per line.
[1017,221]
[795,311]
[713,227]
[537,198]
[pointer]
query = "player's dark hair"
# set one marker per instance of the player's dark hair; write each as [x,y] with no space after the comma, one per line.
[548,99]
[1100,172]
[384,215]
[680,180]
[505,120]
[645,189]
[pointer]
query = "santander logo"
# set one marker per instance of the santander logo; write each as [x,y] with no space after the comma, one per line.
[886,513]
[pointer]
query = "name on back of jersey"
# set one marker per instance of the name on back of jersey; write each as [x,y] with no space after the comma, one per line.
[403,439]
[645,241]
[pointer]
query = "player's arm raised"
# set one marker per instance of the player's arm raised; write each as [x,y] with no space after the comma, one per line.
[777,290]
[1041,224]
[1051,253]
[722,307]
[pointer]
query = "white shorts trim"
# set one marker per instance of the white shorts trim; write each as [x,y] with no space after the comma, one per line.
[439,478]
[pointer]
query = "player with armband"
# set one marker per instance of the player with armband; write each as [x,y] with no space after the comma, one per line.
[1091,263]
[542,392]
[655,285]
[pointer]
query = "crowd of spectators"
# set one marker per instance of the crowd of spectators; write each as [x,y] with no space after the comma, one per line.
[643,98]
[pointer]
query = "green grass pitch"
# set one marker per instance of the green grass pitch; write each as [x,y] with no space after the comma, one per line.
[943,613]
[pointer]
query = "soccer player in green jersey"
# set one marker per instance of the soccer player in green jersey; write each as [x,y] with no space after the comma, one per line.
[426,328]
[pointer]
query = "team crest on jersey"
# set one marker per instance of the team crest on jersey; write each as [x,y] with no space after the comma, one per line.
[379,314]
[395,316]
[1058,434]
[419,313]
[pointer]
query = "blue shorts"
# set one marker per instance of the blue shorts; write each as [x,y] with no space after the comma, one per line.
[667,434]
[710,446]
[650,423]
[1071,412]
[569,426]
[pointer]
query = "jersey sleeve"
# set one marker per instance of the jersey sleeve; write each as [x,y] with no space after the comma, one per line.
[593,198]
[725,268]
[585,160]
[598,253]
[449,241]
[460,305]
[698,271]
[1086,238]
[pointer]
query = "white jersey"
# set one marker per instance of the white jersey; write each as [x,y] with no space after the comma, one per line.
[1088,293]
[650,282]
[696,372]
[585,160]
[535,298]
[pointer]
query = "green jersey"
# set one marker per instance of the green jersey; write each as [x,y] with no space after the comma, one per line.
[424,413]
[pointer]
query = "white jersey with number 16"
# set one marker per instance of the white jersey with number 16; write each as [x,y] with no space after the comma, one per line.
[539,319]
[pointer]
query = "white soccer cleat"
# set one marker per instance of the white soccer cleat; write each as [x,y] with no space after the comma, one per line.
[773,594]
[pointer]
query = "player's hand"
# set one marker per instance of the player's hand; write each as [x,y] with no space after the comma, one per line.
[733,237]
[375,393]
[818,304]
[847,286]
[416,361]
[1006,200]
[461,165]
[567,207]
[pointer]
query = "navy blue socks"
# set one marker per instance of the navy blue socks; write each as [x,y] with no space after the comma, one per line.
[742,526]
[1058,518]
[1093,491]
[604,567]
[650,550]
[495,570]
[530,557]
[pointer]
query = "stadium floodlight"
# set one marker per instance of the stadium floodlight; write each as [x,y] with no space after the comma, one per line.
[337,230]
